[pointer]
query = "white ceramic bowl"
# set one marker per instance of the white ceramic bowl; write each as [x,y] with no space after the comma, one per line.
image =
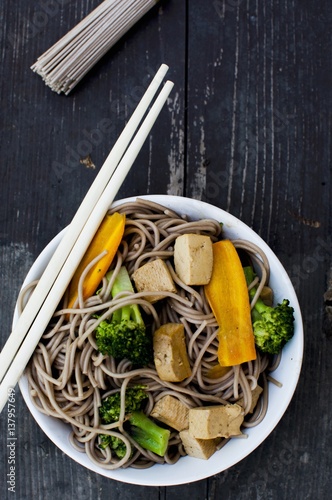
[189,469]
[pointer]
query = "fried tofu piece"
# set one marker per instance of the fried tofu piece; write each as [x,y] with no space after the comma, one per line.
[154,276]
[193,258]
[171,412]
[254,398]
[209,422]
[198,448]
[170,353]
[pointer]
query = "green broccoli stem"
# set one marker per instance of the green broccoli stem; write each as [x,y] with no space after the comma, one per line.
[122,283]
[148,434]
[255,315]
[259,304]
[121,314]
[136,315]
[249,274]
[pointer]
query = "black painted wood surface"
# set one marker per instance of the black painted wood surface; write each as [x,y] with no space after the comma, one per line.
[247,128]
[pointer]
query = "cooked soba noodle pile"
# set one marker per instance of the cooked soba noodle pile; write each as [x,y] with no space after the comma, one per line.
[69,377]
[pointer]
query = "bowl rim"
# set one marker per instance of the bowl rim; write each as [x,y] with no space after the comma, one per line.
[188,469]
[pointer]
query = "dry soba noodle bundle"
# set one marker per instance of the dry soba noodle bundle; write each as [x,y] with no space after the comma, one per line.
[69,377]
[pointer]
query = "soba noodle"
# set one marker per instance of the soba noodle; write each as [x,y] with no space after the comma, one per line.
[68,377]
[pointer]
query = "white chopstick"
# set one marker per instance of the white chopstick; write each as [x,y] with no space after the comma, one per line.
[36,315]
[77,224]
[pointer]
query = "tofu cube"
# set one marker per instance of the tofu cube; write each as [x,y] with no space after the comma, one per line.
[254,398]
[198,448]
[193,258]
[170,353]
[154,276]
[209,422]
[171,412]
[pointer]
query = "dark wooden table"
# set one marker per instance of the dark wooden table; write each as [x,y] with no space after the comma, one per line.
[247,128]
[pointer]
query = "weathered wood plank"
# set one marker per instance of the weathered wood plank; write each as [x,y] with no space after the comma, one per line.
[259,146]
[46,136]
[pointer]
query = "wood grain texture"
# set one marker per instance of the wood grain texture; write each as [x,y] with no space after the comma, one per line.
[247,128]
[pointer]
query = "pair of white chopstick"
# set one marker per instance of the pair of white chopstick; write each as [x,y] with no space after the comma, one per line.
[58,273]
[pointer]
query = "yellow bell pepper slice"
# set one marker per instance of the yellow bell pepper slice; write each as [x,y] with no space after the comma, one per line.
[227,294]
[108,237]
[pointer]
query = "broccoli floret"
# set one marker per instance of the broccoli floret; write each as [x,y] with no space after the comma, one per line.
[124,335]
[140,427]
[109,411]
[273,326]
[115,443]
